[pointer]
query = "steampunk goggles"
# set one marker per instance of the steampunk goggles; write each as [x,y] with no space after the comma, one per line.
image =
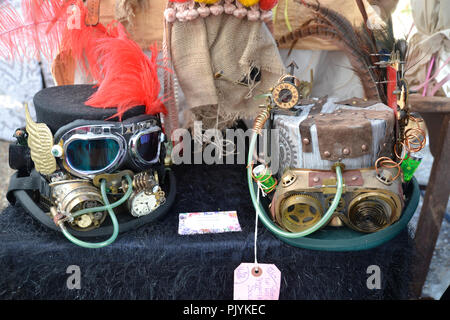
[95,148]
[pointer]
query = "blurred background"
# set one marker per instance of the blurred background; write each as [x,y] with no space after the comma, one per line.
[19,81]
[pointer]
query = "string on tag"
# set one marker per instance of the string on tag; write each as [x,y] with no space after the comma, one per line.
[260,190]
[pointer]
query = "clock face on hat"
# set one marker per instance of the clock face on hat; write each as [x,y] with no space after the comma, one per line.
[143,204]
[285,95]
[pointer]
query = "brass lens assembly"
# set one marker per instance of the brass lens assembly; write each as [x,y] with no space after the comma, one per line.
[366,205]
[74,195]
[300,212]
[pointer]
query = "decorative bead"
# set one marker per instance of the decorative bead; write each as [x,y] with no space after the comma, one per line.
[229,7]
[207,1]
[267,5]
[192,13]
[253,14]
[248,3]
[216,9]
[57,151]
[181,11]
[170,14]
[204,11]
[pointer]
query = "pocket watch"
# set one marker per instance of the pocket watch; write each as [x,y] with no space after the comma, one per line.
[144,202]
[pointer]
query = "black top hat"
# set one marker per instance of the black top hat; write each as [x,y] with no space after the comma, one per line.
[60,105]
[57,107]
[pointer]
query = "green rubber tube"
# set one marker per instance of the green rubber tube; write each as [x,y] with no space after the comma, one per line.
[108,207]
[263,215]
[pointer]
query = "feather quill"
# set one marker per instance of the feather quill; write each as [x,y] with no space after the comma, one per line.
[129,77]
[125,76]
[28,35]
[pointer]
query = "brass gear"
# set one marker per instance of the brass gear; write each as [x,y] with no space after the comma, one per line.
[299,212]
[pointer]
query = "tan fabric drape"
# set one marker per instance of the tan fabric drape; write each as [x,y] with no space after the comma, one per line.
[432,20]
[144,19]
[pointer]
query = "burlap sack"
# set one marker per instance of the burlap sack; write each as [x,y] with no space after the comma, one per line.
[203,47]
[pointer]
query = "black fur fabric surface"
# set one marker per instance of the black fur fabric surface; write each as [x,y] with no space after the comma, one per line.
[154,262]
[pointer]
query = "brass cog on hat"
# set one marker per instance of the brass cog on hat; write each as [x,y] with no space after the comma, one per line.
[300,212]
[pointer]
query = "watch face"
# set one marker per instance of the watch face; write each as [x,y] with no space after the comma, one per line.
[285,95]
[143,203]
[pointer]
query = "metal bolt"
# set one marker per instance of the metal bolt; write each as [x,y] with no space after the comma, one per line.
[354,178]
[327,154]
[364,147]
[354,102]
[346,151]
[321,114]
[306,141]
[316,179]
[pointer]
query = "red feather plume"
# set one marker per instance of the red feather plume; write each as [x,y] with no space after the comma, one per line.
[35,33]
[125,76]
[267,4]
[129,77]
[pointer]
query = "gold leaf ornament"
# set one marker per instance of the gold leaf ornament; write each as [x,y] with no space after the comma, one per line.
[40,142]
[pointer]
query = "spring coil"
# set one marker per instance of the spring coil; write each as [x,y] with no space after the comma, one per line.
[261,120]
[143,181]
[414,140]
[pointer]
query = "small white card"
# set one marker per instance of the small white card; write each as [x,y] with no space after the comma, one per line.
[208,222]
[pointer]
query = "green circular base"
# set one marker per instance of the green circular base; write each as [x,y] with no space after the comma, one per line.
[345,239]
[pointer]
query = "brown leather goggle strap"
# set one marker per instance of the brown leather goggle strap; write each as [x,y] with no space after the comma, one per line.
[93,12]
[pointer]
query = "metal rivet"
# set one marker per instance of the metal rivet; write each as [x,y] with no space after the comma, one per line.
[316,179]
[321,114]
[327,154]
[354,178]
[309,117]
[365,99]
[364,147]
[306,141]
[354,102]
[346,151]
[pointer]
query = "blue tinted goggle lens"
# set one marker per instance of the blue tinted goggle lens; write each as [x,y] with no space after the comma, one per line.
[92,155]
[147,145]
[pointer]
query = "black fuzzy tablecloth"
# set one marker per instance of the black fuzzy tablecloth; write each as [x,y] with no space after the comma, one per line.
[154,262]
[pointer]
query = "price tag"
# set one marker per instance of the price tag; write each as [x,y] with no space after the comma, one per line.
[256,282]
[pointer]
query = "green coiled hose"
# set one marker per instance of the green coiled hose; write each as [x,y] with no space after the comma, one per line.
[109,207]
